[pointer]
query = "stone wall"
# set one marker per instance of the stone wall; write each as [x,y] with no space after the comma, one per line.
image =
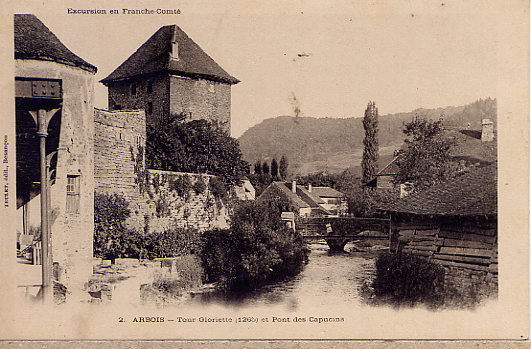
[120,140]
[163,94]
[157,199]
[71,231]
[153,89]
[201,99]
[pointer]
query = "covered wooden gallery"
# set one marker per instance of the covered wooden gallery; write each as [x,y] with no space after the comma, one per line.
[453,224]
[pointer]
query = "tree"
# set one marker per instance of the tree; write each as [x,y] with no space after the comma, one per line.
[197,146]
[258,167]
[369,163]
[274,169]
[265,168]
[257,249]
[425,159]
[283,168]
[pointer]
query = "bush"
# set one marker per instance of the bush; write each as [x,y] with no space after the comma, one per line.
[404,279]
[256,250]
[111,238]
[197,146]
[181,185]
[199,186]
[218,189]
[171,243]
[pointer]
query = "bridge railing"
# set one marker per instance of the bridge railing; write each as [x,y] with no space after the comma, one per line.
[340,226]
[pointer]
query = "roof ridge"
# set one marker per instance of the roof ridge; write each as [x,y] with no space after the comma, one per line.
[34,40]
[154,56]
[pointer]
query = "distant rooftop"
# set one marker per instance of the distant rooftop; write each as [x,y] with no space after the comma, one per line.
[469,194]
[155,56]
[33,40]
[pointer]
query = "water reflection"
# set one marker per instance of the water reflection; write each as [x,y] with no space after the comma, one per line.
[327,280]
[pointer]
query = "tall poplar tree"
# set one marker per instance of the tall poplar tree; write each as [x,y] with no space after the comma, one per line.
[274,169]
[283,168]
[369,163]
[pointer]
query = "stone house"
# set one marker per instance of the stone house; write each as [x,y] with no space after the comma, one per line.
[53,83]
[453,224]
[171,75]
[334,201]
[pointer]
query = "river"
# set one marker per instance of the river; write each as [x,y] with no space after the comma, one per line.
[327,280]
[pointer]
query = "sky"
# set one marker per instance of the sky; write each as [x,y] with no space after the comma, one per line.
[324,59]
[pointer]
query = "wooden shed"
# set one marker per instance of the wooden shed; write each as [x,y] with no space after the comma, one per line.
[453,224]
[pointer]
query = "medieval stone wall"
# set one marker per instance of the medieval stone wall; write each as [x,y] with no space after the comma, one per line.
[201,99]
[163,94]
[120,140]
[150,94]
[72,231]
[158,200]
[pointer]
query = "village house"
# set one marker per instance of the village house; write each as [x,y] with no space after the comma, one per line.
[54,91]
[453,224]
[171,75]
[471,148]
[307,201]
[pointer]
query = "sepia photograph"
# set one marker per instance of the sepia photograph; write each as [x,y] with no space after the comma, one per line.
[239,170]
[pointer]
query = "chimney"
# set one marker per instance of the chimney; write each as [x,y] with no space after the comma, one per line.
[174,47]
[310,187]
[487,130]
[294,186]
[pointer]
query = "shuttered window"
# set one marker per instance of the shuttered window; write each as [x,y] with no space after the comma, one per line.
[72,194]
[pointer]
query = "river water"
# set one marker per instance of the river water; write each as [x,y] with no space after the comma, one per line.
[328,280]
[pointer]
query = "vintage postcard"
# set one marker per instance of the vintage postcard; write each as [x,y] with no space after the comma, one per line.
[206,170]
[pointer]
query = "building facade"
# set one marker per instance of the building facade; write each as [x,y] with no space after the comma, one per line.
[52,80]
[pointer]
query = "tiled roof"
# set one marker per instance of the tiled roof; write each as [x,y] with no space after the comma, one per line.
[312,199]
[469,194]
[154,57]
[33,40]
[327,192]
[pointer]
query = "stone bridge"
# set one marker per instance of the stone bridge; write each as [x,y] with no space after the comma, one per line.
[338,231]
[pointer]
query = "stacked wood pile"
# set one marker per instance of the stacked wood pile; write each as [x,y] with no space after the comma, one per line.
[463,245]
[453,224]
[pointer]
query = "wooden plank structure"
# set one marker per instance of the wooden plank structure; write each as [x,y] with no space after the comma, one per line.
[453,224]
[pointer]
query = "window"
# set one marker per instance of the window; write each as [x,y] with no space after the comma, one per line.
[72,194]
[149,87]
[149,108]
[133,88]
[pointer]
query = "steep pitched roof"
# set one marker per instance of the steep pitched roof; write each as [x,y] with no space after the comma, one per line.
[33,40]
[154,57]
[294,198]
[307,197]
[469,194]
[301,199]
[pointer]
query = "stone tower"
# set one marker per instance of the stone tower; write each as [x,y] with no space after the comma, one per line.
[48,76]
[171,74]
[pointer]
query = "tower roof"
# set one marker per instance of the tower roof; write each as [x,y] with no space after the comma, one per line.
[154,56]
[33,40]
